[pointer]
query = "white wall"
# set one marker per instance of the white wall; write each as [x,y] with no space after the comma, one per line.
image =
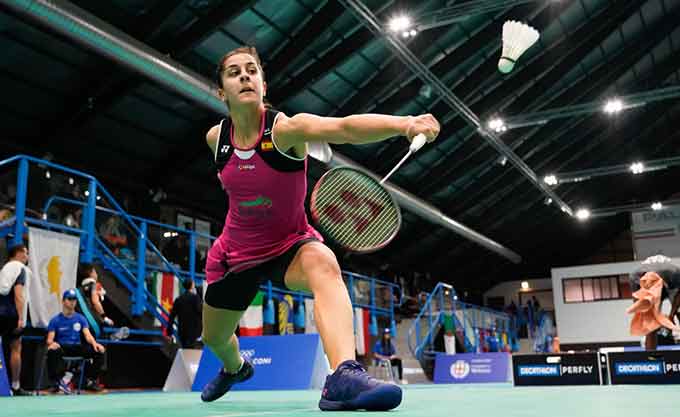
[593,322]
[510,290]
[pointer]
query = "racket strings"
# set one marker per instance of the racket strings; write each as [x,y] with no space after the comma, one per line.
[369,216]
[361,230]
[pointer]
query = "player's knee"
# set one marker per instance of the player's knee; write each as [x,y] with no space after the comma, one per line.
[319,261]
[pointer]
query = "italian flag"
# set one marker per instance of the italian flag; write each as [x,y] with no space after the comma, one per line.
[166,290]
[251,321]
[362,336]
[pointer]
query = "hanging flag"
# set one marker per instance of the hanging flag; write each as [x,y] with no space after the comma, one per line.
[251,321]
[166,289]
[286,315]
[53,260]
[362,336]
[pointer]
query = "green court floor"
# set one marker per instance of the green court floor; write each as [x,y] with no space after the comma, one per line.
[419,400]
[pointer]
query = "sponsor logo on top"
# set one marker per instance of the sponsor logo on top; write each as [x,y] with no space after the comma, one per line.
[460,369]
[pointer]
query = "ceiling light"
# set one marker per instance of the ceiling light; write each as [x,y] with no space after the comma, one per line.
[550,179]
[583,214]
[400,24]
[613,106]
[525,285]
[657,206]
[497,125]
[71,181]
[48,175]
[637,168]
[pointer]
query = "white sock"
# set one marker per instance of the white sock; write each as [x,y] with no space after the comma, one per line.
[67,377]
[16,385]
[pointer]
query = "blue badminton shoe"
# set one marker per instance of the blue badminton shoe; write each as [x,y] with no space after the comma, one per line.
[223,382]
[351,388]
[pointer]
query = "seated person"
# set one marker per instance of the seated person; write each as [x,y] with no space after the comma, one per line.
[64,339]
[384,349]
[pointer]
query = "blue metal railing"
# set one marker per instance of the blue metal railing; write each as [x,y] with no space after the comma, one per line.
[470,319]
[88,232]
[421,338]
[479,319]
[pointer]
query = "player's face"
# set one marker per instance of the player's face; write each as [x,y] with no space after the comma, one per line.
[242,81]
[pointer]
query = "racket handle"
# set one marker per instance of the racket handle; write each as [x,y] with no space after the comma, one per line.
[417,143]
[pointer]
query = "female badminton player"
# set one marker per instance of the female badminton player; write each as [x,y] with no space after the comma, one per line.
[260,155]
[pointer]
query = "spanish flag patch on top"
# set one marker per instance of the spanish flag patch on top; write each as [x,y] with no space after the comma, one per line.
[267,145]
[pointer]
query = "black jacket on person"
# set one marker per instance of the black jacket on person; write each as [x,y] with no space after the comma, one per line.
[188,308]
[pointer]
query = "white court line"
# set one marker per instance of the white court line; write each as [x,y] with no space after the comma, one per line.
[263,413]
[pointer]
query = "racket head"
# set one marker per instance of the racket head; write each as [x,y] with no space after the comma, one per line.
[354,210]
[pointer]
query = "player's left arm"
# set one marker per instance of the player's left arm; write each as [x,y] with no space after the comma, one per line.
[355,129]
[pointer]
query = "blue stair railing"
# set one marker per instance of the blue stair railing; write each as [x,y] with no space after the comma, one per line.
[468,319]
[92,248]
[421,335]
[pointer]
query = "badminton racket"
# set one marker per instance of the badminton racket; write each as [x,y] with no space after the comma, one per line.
[354,210]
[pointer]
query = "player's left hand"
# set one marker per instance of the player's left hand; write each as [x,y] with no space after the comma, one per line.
[426,124]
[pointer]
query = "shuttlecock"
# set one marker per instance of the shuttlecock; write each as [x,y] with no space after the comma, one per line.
[517,38]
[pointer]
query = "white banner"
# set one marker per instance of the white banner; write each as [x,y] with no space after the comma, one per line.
[656,232]
[310,324]
[53,258]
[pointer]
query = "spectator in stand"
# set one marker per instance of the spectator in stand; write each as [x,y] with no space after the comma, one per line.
[112,232]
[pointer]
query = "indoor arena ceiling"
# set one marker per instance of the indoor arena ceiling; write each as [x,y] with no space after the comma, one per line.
[93,114]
